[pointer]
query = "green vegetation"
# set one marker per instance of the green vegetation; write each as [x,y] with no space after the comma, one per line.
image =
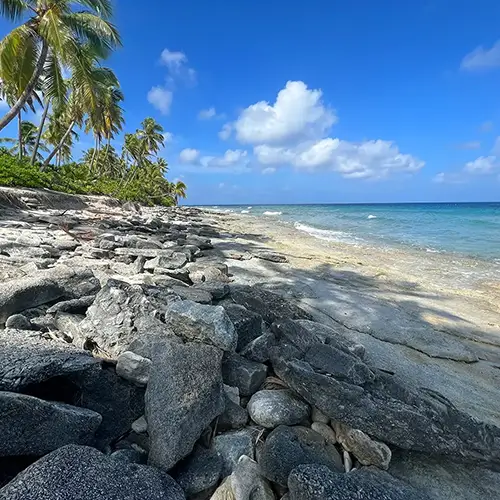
[73,37]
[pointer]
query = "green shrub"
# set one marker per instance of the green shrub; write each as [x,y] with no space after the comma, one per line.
[17,173]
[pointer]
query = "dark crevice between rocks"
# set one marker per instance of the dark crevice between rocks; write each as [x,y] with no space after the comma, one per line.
[58,389]
[10,467]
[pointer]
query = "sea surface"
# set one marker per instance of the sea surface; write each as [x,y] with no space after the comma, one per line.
[467,229]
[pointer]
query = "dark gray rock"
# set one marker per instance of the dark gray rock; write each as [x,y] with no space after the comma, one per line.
[130,456]
[26,360]
[240,372]
[201,323]
[31,426]
[199,241]
[118,401]
[382,408]
[193,294]
[46,286]
[120,314]
[271,257]
[18,322]
[210,274]
[75,306]
[270,306]
[148,243]
[248,324]
[316,482]
[288,447]
[183,396]
[133,368]
[279,407]
[83,473]
[444,480]
[178,274]
[149,253]
[234,416]
[198,472]
[216,290]
[259,349]
[232,445]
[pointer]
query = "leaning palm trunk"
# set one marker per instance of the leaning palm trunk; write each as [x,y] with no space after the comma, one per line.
[40,131]
[20,134]
[60,145]
[19,104]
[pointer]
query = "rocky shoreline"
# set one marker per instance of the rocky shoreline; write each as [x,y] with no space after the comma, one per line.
[136,364]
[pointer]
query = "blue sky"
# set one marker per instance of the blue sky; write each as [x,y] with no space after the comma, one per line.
[319,101]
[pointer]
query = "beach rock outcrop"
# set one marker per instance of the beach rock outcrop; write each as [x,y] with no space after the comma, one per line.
[85,473]
[269,305]
[184,394]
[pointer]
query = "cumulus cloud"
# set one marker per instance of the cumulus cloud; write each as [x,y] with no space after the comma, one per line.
[177,65]
[481,58]
[161,99]
[207,114]
[297,114]
[294,130]
[226,131]
[189,156]
[268,171]
[481,165]
[449,178]
[168,137]
[232,161]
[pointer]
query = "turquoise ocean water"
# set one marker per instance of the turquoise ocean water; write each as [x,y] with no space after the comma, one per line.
[467,229]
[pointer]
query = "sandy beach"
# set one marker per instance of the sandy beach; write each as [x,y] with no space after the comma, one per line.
[431,319]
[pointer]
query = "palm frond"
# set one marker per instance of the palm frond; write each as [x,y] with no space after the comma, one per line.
[13,9]
[55,87]
[103,8]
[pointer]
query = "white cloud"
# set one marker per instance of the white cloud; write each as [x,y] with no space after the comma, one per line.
[268,171]
[369,159]
[221,185]
[449,178]
[294,132]
[231,158]
[161,99]
[168,137]
[207,114]
[226,131]
[481,165]
[297,114]
[481,58]
[178,68]
[189,156]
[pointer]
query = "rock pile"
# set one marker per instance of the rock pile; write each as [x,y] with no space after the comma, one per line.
[131,367]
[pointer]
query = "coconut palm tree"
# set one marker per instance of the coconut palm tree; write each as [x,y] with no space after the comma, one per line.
[178,190]
[151,136]
[24,145]
[51,37]
[57,126]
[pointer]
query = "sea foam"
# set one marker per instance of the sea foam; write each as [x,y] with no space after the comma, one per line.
[326,234]
[272,213]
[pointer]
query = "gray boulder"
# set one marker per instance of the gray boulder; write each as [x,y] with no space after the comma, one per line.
[240,372]
[201,323]
[198,472]
[133,367]
[260,348]
[120,314]
[86,474]
[316,482]
[18,322]
[269,305]
[234,416]
[272,408]
[193,294]
[75,306]
[375,403]
[183,396]
[58,283]
[248,324]
[199,241]
[175,261]
[216,290]
[232,445]
[288,447]
[27,360]
[31,426]
[271,257]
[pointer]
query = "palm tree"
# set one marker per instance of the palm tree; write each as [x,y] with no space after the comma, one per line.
[57,126]
[88,91]
[178,190]
[25,143]
[52,36]
[151,136]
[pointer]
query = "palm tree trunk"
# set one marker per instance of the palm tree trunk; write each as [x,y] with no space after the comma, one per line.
[20,134]
[40,131]
[60,145]
[19,104]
